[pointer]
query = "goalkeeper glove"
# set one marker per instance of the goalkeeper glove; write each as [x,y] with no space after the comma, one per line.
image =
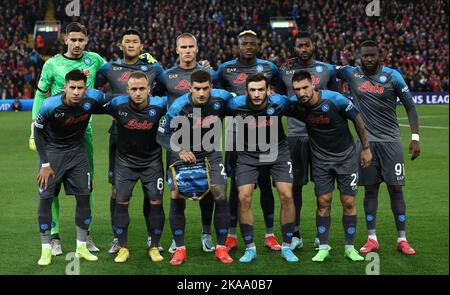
[147,58]
[31,143]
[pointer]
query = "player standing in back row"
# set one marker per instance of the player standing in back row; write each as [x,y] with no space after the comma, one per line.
[232,76]
[53,80]
[173,83]
[117,73]
[323,77]
[375,89]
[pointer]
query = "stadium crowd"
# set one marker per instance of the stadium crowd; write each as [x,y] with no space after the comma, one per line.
[413,36]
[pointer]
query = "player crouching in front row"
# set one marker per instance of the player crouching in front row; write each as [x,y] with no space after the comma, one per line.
[59,130]
[138,157]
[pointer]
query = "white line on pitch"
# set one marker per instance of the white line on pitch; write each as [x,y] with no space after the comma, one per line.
[426,127]
[420,117]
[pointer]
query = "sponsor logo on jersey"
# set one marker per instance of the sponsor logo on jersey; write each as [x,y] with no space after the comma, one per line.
[183,85]
[240,79]
[259,68]
[144,68]
[405,89]
[133,124]
[360,76]
[75,120]
[369,88]
[315,80]
[216,106]
[205,122]
[117,68]
[122,113]
[172,76]
[319,69]
[87,61]
[59,115]
[255,123]
[325,108]
[289,72]
[383,79]
[318,120]
[125,76]
[152,113]
[231,70]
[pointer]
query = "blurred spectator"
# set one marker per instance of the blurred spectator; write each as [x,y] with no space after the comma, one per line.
[16,106]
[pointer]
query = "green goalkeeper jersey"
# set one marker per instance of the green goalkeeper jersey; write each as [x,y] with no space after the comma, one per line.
[54,72]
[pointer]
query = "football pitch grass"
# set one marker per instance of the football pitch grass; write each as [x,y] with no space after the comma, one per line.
[426,193]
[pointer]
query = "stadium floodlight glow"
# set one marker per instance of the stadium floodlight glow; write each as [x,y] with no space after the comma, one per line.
[283,23]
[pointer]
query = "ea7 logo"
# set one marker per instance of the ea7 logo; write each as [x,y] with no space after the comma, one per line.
[231,70]
[290,72]
[360,76]
[122,113]
[173,76]
[405,89]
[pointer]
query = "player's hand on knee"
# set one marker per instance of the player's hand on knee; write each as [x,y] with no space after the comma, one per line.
[44,174]
[31,143]
[187,157]
[414,149]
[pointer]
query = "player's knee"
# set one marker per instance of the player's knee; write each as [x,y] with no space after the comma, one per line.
[286,198]
[218,192]
[395,189]
[245,199]
[83,201]
[348,205]
[323,204]
[155,202]
[123,202]
[372,189]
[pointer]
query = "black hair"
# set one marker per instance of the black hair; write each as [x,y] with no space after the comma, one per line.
[76,27]
[300,76]
[200,75]
[131,32]
[256,78]
[75,75]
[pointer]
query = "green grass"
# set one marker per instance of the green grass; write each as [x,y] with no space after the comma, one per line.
[426,193]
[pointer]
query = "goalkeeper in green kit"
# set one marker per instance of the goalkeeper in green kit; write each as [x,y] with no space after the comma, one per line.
[52,80]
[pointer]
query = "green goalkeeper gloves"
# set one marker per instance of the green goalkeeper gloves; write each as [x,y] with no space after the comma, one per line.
[147,58]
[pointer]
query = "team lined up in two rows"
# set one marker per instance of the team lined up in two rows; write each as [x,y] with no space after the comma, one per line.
[143,96]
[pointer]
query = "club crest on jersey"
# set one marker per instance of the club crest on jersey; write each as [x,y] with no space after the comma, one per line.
[383,79]
[319,69]
[270,111]
[86,106]
[216,106]
[87,61]
[144,68]
[259,68]
[325,108]
[152,113]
